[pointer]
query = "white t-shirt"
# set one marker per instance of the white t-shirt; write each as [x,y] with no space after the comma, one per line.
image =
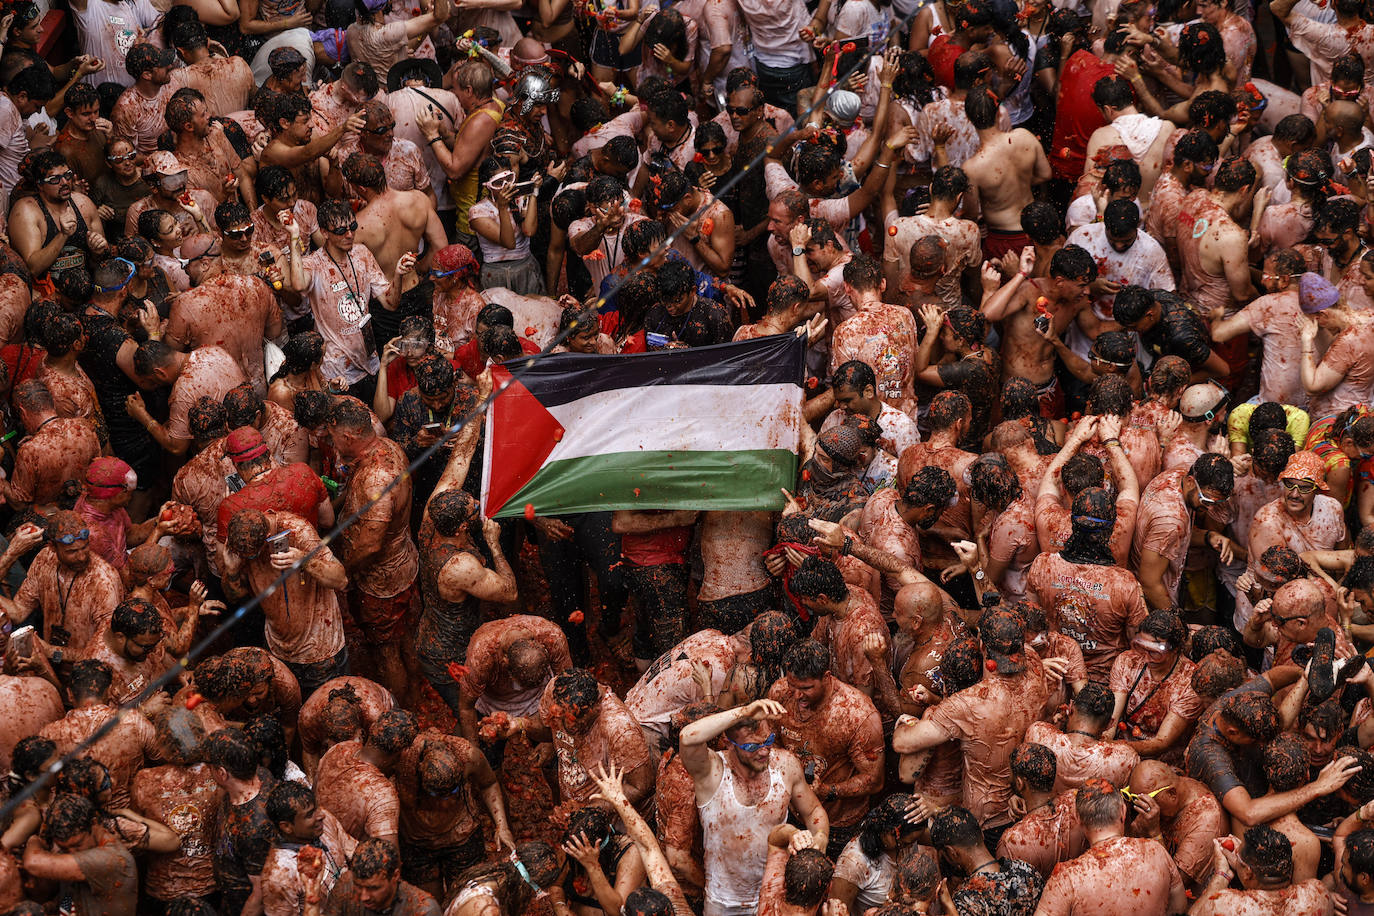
[493,251]
[773,27]
[108,30]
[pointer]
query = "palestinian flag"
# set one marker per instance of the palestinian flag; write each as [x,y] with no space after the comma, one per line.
[704,428]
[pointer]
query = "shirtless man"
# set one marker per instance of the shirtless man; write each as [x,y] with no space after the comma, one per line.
[56,217]
[1213,248]
[1143,135]
[985,723]
[1001,173]
[742,793]
[1115,867]
[205,151]
[377,551]
[239,252]
[292,146]
[392,223]
[1264,866]
[1183,812]
[1021,301]
[453,577]
[735,586]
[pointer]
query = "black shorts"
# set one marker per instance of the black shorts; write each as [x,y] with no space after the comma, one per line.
[421,864]
[735,612]
[605,52]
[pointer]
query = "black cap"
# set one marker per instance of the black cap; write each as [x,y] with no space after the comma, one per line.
[143,56]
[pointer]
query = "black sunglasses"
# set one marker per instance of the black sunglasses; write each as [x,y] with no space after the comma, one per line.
[378,131]
[711,150]
[344,230]
[740,110]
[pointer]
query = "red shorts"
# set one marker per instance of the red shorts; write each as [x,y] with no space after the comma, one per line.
[1051,400]
[1236,353]
[383,620]
[999,243]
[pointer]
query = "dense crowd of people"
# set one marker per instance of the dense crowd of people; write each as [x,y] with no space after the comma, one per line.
[1068,611]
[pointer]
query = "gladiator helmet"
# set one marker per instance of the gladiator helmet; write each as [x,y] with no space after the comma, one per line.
[534,86]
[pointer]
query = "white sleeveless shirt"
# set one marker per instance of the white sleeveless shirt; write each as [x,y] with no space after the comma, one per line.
[734,870]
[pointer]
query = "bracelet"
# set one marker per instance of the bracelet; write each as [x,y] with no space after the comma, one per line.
[883,165]
[1110,442]
[433,139]
[847,546]
[887,85]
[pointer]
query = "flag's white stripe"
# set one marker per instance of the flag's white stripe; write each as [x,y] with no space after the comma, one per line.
[680,418]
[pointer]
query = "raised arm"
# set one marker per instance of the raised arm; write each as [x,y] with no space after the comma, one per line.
[610,790]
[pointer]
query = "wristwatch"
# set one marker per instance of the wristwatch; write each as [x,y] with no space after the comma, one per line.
[798,251]
[979,575]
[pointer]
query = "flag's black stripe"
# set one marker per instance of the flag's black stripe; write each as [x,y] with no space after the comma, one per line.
[566,377]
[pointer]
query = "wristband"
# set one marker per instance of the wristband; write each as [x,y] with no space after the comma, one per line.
[847,546]
[618,97]
[1110,442]
[433,139]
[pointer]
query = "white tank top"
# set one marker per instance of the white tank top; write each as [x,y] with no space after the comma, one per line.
[734,870]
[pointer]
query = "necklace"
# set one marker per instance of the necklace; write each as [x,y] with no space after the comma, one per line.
[991,864]
[1079,731]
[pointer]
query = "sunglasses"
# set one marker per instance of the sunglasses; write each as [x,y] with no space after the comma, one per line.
[1209,500]
[379,131]
[243,233]
[125,158]
[1298,486]
[740,111]
[344,230]
[711,151]
[68,540]
[1134,795]
[750,746]
[58,179]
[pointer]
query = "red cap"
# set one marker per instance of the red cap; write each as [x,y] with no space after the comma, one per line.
[244,444]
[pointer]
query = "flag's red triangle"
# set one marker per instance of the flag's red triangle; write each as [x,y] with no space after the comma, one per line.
[521,433]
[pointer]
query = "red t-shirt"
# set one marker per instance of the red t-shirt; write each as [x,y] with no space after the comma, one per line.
[470,361]
[1077,115]
[295,488]
[656,548]
[23,362]
[942,55]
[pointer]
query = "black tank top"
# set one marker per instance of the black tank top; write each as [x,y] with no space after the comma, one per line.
[78,239]
[445,626]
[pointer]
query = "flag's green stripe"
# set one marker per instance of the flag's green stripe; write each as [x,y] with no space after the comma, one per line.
[735,480]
